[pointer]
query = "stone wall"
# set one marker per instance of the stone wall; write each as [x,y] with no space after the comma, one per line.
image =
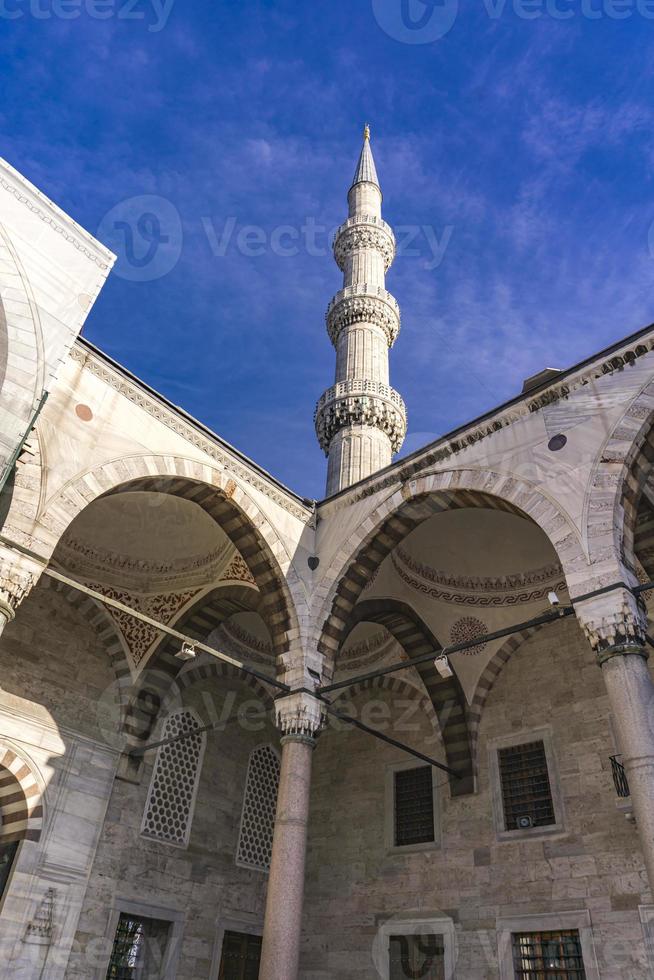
[202,882]
[354,884]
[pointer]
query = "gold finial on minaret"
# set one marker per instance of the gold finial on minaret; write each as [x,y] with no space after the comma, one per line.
[366,132]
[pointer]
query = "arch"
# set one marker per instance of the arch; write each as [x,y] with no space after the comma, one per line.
[21,797]
[485,684]
[446,694]
[157,681]
[220,496]
[410,506]
[620,474]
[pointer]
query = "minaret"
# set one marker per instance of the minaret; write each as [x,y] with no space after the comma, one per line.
[361,421]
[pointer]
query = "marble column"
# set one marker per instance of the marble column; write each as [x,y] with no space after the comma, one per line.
[616,625]
[18,576]
[299,718]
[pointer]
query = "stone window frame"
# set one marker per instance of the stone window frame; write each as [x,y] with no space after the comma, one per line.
[415,926]
[239,922]
[389,830]
[239,863]
[176,918]
[546,736]
[507,926]
[187,834]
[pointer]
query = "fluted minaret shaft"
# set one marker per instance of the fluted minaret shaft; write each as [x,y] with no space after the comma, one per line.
[360,420]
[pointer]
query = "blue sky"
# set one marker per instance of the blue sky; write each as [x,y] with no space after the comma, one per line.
[522,141]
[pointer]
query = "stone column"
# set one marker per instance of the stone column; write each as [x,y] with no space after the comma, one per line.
[18,576]
[616,624]
[299,718]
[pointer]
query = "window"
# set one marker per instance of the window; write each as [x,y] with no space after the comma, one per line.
[139,949]
[547,946]
[241,957]
[538,955]
[169,807]
[7,858]
[414,806]
[259,806]
[526,792]
[417,956]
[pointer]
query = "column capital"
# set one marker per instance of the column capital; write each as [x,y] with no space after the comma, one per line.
[615,624]
[300,716]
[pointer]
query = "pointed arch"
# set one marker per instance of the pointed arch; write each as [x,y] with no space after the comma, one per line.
[407,508]
[222,497]
[255,838]
[445,694]
[21,796]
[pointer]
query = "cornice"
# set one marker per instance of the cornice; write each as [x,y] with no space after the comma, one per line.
[158,410]
[616,359]
[48,212]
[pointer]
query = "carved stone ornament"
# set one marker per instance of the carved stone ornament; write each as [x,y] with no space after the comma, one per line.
[355,239]
[614,623]
[18,576]
[345,311]
[300,716]
[337,411]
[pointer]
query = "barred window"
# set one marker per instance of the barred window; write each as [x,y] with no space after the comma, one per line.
[259,806]
[414,806]
[169,808]
[526,789]
[139,948]
[537,955]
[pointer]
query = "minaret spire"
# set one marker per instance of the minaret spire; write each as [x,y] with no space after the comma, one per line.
[361,420]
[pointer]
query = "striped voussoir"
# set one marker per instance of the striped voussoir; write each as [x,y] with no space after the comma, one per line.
[275,606]
[640,472]
[221,671]
[21,809]
[445,694]
[155,684]
[95,614]
[490,673]
[390,531]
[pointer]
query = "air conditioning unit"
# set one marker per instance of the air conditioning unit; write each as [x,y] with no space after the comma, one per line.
[525,823]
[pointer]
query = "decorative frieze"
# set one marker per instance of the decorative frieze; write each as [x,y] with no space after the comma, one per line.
[300,715]
[364,233]
[357,305]
[355,402]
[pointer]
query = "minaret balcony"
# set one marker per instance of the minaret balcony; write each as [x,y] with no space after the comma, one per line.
[361,403]
[363,304]
[364,232]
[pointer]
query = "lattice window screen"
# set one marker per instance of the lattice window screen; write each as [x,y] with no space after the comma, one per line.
[259,805]
[169,807]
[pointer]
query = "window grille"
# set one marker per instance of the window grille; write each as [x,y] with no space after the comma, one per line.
[537,955]
[417,957]
[168,811]
[241,957]
[139,948]
[526,790]
[414,806]
[259,806]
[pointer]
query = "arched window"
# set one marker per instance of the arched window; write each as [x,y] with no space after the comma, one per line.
[168,813]
[259,805]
